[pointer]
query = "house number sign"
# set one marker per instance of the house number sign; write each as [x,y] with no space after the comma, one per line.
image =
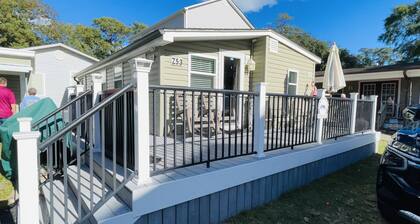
[177,61]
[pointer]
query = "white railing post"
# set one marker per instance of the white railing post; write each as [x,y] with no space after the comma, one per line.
[374,100]
[322,113]
[96,90]
[141,68]
[27,164]
[259,119]
[79,89]
[353,97]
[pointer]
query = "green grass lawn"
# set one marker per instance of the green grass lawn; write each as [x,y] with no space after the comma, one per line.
[6,190]
[347,196]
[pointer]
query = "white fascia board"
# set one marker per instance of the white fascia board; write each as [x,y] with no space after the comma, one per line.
[153,197]
[214,34]
[62,46]
[368,76]
[141,50]
[188,35]
[16,52]
[415,73]
[15,68]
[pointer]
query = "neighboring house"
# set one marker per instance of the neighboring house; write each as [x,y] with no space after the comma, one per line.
[54,68]
[398,83]
[196,48]
[47,68]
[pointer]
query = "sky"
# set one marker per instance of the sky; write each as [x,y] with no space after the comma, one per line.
[352,24]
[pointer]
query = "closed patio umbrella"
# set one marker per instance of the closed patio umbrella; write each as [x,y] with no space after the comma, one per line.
[333,75]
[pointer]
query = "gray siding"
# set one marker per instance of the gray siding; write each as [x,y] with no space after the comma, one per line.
[219,206]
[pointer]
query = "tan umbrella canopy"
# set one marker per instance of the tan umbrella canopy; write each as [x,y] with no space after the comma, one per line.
[333,75]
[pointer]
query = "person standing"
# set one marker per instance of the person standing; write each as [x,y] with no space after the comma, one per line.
[8,105]
[30,99]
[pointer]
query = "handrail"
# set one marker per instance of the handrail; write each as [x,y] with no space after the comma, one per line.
[287,95]
[48,116]
[181,88]
[85,116]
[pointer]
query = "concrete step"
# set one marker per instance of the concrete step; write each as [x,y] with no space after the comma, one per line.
[91,195]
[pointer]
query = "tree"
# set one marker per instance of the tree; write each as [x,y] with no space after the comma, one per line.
[402,30]
[136,28]
[19,22]
[112,31]
[377,56]
[318,47]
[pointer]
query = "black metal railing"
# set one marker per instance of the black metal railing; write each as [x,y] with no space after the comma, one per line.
[290,121]
[65,183]
[198,126]
[363,115]
[115,132]
[61,116]
[337,124]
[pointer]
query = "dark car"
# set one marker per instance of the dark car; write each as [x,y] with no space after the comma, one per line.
[398,180]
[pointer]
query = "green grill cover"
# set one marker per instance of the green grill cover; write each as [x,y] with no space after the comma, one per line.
[36,111]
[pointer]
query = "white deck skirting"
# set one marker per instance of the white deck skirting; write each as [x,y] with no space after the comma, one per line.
[181,185]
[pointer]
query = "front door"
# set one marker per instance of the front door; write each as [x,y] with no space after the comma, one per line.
[231,76]
[387,92]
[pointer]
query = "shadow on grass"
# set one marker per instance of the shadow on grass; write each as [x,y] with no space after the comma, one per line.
[347,196]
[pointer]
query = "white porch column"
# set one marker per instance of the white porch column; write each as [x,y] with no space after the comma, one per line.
[96,90]
[27,158]
[79,89]
[141,68]
[353,97]
[374,100]
[321,115]
[259,119]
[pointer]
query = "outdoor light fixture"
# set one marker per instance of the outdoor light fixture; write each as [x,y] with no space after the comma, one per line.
[251,65]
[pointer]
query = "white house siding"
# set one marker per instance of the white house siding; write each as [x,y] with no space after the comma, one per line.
[278,64]
[215,15]
[56,66]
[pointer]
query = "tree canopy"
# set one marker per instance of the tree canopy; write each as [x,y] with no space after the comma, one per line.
[402,30]
[17,22]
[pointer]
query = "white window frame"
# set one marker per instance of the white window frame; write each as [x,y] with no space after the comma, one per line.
[121,76]
[295,84]
[190,72]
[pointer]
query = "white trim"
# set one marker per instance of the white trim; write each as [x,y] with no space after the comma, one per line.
[16,52]
[215,75]
[172,35]
[62,46]
[15,68]
[297,80]
[232,54]
[153,197]
[369,76]
[141,50]
[22,86]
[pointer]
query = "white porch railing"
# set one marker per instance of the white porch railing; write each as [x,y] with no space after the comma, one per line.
[88,151]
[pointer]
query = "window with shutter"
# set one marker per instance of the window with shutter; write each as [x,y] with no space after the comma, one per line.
[202,71]
[292,82]
[118,76]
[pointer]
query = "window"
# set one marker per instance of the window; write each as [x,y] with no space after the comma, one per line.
[118,82]
[369,89]
[202,72]
[292,82]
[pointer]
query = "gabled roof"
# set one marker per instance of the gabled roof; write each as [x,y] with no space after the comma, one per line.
[231,3]
[60,45]
[183,12]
